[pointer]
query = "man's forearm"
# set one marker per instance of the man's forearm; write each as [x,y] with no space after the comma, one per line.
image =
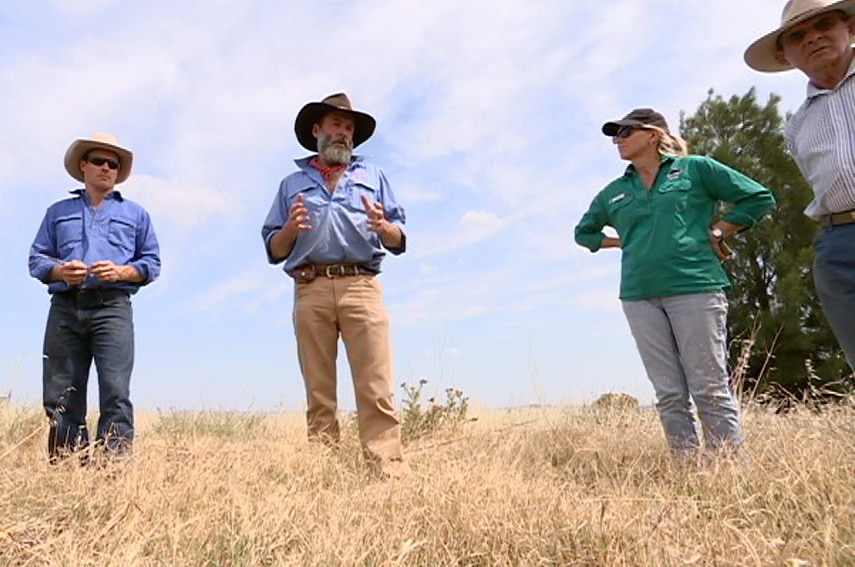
[283,241]
[130,274]
[393,237]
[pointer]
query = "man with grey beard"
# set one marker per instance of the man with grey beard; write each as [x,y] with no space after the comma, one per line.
[331,224]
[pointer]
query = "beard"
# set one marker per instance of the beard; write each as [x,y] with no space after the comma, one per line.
[334,154]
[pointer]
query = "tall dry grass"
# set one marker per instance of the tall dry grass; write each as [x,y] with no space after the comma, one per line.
[560,486]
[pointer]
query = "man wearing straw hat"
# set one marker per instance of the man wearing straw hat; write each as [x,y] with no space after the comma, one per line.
[332,223]
[93,250]
[816,36]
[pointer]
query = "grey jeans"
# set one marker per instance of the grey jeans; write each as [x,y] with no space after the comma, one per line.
[682,342]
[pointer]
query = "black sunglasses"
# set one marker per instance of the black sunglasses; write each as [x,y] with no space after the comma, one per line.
[98,161]
[625,132]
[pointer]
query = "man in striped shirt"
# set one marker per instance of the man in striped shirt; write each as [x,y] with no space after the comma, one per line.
[816,37]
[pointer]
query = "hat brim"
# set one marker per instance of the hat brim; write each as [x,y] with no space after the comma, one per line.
[363,124]
[612,128]
[79,148]
[762,55]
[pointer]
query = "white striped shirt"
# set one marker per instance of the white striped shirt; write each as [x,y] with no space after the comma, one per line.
[821,138]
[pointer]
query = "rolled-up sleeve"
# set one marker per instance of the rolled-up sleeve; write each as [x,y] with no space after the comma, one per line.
[394,213]
[589,231]
[276,219]
[751,201]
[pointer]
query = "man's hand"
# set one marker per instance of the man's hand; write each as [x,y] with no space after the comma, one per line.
[72,272]
[389,233]
[108,271]
[298,219]
[283,240]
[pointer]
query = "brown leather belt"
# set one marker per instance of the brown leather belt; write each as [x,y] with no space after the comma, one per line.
[307,273]
[834,219]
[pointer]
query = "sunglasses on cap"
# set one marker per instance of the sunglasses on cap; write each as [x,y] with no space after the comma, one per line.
[98,161]
[797,36]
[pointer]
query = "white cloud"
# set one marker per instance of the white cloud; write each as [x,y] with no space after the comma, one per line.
[476,225]
[180,203]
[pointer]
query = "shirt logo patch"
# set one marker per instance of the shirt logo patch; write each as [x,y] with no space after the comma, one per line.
[675,173]
[616,198]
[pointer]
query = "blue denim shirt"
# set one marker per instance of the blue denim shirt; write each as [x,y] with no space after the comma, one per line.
[339,232]
[118,230]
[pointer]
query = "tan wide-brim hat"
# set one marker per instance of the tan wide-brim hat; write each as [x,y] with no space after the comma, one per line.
[309,115]
[762,54]
[104,140]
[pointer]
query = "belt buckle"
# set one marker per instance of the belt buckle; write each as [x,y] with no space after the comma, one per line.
[329,271]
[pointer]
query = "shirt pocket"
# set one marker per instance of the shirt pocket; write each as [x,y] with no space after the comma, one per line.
[619,203]
[122,233]
[673,196]
[679,185]
[69,233]
[622,210]
[357,191]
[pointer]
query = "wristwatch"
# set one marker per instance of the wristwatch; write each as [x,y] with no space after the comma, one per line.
[717,233]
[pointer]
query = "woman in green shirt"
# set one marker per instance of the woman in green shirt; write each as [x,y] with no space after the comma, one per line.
[672,281]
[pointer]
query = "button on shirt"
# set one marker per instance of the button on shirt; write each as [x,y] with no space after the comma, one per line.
[821,138]
[118,230]
[664,230]
[339,233]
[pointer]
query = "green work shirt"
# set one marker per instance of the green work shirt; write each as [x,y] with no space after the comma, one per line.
[665,230]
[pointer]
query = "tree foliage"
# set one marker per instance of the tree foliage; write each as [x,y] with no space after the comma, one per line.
[773,304]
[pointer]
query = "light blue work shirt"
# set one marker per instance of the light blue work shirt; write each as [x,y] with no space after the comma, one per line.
[339,233]
[118,230]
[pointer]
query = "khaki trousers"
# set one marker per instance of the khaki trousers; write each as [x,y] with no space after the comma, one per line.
[352,307]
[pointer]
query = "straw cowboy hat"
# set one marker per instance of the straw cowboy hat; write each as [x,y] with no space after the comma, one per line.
[363,124]
[102,140]
[761,55]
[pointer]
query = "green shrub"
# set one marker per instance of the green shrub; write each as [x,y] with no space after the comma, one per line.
[419,420]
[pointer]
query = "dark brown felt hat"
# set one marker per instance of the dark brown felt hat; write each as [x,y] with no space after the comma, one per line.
[309,115]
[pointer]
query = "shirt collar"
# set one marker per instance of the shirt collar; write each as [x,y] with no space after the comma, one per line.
[813,90]
[303,163]
[114,194]
[630,169]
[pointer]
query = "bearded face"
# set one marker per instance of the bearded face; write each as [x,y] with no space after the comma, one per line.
[335,149]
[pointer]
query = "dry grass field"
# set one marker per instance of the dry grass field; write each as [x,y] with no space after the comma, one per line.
[535,486]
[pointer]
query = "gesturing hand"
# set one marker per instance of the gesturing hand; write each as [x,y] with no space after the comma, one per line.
[376,219]
[73,272]
[107,271]
[299,215]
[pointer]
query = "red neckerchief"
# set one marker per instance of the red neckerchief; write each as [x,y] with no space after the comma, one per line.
[326,170]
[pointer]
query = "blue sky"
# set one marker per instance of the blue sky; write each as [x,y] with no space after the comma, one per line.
[488,130]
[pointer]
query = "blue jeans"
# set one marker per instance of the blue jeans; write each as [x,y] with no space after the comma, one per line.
[682,342]
[92,326]
[834,277]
